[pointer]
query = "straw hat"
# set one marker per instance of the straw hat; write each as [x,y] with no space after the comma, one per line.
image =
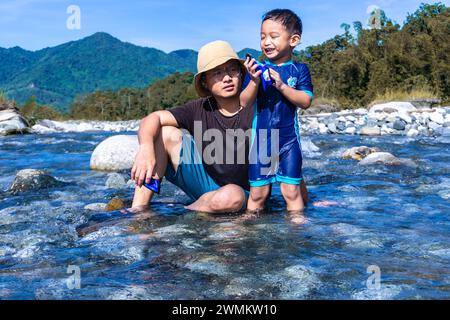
[210,56]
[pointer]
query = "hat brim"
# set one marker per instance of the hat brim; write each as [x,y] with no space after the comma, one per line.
[201,90]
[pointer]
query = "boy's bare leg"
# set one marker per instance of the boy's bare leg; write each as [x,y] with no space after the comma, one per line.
[167,146]
[304,192]
[258,196]
[293,196]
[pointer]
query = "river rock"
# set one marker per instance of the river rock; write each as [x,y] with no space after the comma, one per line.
[115,204]
[443,131]
[115,153]
[332,127]
[115,181]
[323,108]
[96,207]
[399,125]
[11,122]
[437,117]
[385,158]
[412,133]
[426,103]
[358,153]
[433,125]
[340,126]
[8,105]
[405,117]
[350,130]
[398,106]
[370,131]
[30,179]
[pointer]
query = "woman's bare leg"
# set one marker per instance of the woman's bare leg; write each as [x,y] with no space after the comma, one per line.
[167,147]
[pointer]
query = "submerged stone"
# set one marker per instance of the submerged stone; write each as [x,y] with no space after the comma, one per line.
[208,265]
[115,204]
[30,179]
[115,181]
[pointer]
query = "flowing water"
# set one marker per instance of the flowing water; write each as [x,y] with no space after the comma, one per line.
[391,219]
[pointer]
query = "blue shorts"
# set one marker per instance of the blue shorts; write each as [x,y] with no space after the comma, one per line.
[191,176]
[285,168]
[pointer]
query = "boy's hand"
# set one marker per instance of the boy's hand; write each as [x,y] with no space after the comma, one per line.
[251,65]
[277,82]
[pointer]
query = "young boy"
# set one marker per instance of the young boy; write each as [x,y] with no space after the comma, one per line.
[276,112]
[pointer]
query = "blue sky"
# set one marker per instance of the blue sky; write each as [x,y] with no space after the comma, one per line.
[178,24]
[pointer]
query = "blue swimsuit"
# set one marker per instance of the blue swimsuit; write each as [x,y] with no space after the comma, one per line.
[276,122]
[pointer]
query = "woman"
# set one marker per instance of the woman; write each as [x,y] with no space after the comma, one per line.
[165,150]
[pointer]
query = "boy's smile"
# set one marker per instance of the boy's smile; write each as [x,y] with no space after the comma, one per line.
[276,42]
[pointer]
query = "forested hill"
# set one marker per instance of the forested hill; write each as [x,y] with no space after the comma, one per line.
[55,76]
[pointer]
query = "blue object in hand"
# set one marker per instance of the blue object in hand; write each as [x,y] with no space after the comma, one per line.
[154,185]
[266,79]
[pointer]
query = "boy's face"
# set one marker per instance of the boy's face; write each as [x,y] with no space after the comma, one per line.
[225,80]
[276,42]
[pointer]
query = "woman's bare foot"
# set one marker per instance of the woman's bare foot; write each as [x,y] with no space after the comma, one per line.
[135,210]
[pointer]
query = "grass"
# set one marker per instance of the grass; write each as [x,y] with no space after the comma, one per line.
[325,101]
[3,97]
[399,95]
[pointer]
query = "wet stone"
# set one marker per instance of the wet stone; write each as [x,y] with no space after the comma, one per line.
[115,204]
[115,181]
[30,179]
[208,265]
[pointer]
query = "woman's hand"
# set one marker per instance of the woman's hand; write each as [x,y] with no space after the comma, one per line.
[144,165]
[251,65]
[277,82]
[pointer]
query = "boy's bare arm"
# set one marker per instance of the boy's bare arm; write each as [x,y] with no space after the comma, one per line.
[296,97]
[248,95]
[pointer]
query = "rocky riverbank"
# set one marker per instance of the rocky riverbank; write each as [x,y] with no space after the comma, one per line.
[394,118]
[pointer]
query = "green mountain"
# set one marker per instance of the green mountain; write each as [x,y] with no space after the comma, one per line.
[99,62]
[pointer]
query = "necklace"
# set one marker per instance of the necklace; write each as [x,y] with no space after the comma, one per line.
[225,127]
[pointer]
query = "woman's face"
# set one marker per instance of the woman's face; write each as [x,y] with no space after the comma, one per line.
[224,81]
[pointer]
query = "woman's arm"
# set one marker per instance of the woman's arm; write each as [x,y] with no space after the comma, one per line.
[149,129]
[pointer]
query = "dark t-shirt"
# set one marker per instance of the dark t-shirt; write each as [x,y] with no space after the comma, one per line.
[222,141]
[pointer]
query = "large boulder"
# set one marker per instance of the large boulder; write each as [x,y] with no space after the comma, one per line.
[116,153]
[30,179]
[426,103]
[392,107]
[322,108]
[358,153]
[387,159]
[11,122]
[7,105]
